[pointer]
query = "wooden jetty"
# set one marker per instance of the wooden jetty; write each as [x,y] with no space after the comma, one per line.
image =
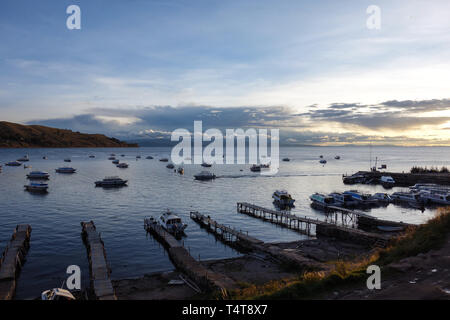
[305,224]
[98,265]
[181,258]
[12,260]
[230,235]
[225,233]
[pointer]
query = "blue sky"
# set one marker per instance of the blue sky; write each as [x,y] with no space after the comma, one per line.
[132,58]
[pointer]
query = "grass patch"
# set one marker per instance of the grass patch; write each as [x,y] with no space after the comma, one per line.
[431,235]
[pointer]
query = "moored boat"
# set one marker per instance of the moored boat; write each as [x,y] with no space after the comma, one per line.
[164,160]
[322,200]
[435,197]
[387,181]
[382,197]
[286,159]
[283,198]
[13,164]
[170,166]
[116,161]
[255,168]
[341,199]
[406,197]
[36,187]
[323,161]
[361,198]
[24,159]
[38,175]
[66,170]
[67,160]
[109,182]
[205,175]
[172,223]
[149,157]
[122,165]
[206,165]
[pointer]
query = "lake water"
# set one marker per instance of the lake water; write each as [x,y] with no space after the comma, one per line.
[119,213]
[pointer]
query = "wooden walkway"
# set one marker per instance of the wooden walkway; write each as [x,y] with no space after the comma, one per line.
[98,265]
[12,260]
[182,260]
[304,225]
[297,223]
[226,234]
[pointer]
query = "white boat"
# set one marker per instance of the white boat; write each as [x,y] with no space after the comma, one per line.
[387,181]
[343,199]
[382,197]
[24,159]
[283,198]
[430,187]
[122,165]
[361,198]
[111,182]
[435,197]
[57,294]
[172,223]
[38,175]
[36,187]
[205,175]
[66,170]
[255,168]
[406,196]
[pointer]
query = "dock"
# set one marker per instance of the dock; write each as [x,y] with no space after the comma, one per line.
[182,260]
[12,260]
[98,265]
[305,224]
[224,233]
[230,235]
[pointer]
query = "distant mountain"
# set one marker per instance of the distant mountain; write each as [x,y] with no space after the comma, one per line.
[13,135]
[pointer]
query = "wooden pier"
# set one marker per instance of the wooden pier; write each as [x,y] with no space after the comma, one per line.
[297,223]
[224,233]
[322,228]
[12,260]
[98,265]
[181,258]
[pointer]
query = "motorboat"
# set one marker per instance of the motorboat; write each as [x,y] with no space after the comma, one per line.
[164,160]
[321,156]
[170,166]
[172,223]
[13,164]
[265,166]
[112,158]
[110,182]
[116,161]
[429,187]
[27,166]
[341,199]
[283,198]
[24,159]
[122,155]
[112,154]
[255,168]
[406,196]
[45,158]
[91,156]
[206,165]
[323,161]
[382,197]
[122,165]
[353,179]
[322,200]
[435,197]
[138,157]
[387,181]
[180,170]
[361,198]
[67,160]
[38,175]
[36,187]
[149,157]
[286,159]
[205,175]
[57,294]
[66,170]
[337,157]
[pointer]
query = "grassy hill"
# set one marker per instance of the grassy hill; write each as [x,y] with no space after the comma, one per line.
[13,135]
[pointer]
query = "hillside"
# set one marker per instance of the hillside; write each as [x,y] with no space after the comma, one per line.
[13,135]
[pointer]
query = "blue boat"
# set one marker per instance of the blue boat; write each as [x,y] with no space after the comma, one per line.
[322,200]
[361,198]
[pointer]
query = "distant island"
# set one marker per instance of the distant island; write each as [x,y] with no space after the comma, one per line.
[13,135]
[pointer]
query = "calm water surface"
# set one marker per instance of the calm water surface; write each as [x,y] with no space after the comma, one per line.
[119,213]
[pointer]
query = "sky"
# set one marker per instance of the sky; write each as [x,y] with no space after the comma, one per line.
[138,69]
